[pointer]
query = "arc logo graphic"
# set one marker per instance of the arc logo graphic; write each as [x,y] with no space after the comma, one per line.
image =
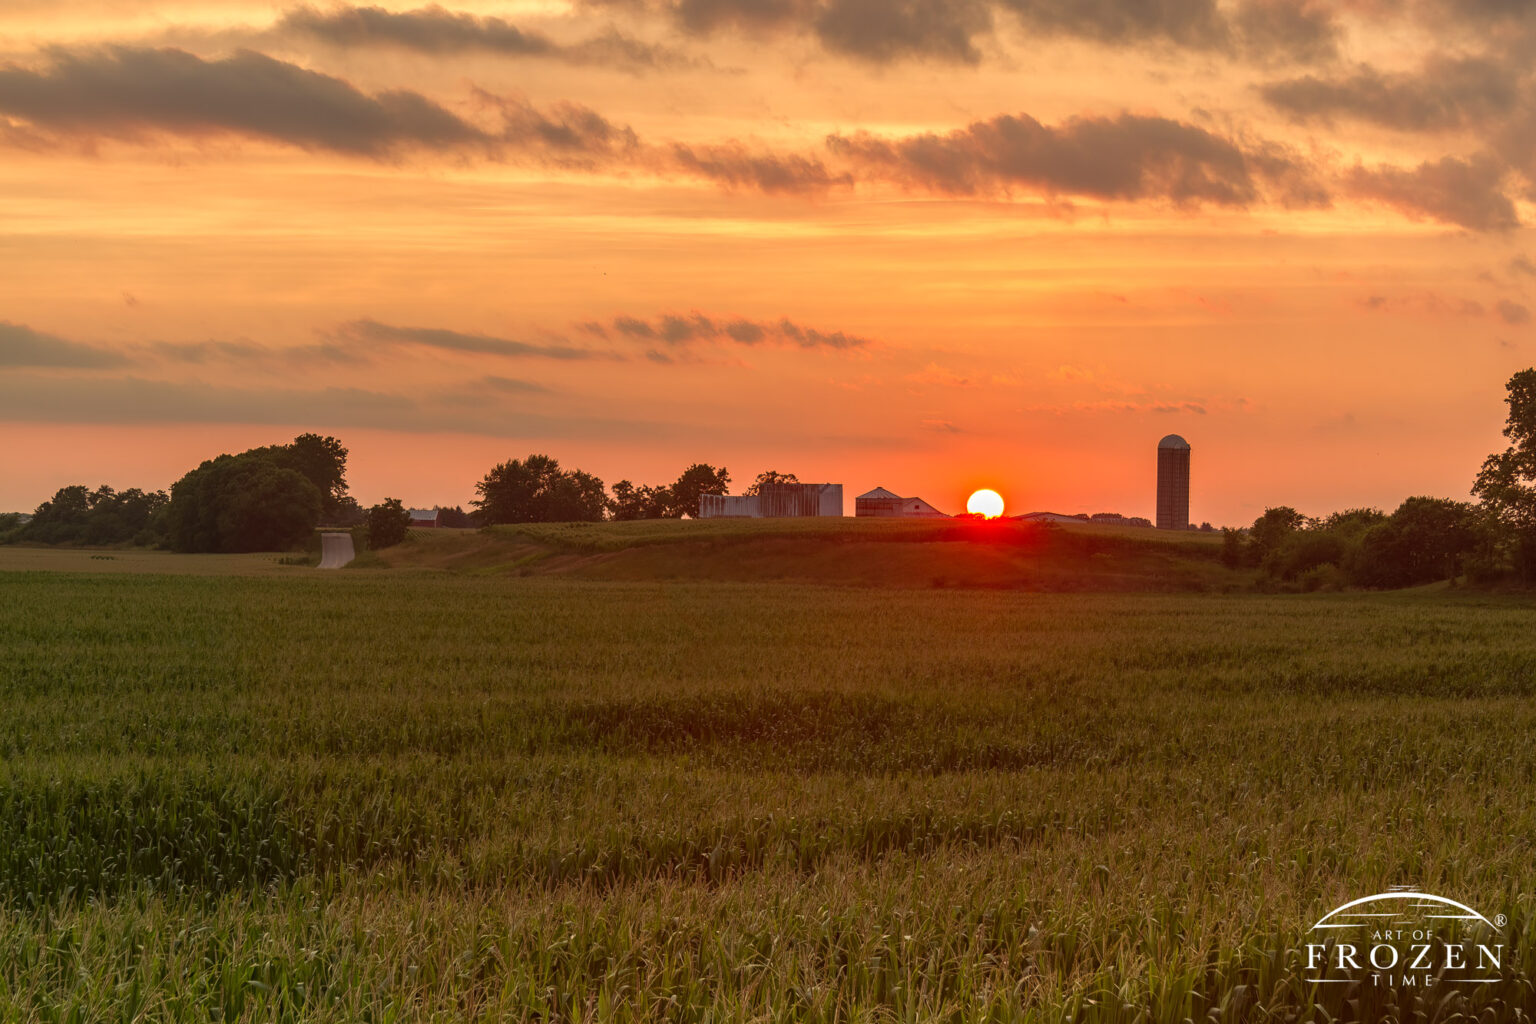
[1403,938]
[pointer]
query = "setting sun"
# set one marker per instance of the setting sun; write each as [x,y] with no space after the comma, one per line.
[985,503]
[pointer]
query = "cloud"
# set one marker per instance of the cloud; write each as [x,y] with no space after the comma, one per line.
[1265,29]
[438,31]
[20,345]
[567,132]
[883,31]
[1425,303]
[249,351]
[39,398]
[893,30]
[1446,94]
[674,330]
[1126,157]
[489,392]
[132,399]
[428,29]
[373,332]
[139,400]
[352,343]
[734,166]
[933,373]
[128,92]
[1468,193]
[1199,408]
[1302,30]
[1522,265]
[510,384]
[1513,313]
[131,93]
[1196,24]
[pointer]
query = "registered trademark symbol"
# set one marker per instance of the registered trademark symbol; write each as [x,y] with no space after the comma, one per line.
[1500,921]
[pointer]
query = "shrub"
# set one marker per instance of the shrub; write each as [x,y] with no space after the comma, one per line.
[388,522]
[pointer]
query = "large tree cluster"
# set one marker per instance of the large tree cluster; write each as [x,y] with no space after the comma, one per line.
[78,515]
[264,499]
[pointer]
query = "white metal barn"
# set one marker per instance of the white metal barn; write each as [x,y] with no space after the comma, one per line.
[775,501]
[887,504]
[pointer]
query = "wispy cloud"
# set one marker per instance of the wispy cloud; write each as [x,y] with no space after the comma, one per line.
[20,345]
[1199,408]
[1514,314]
[372,332]
[438,31]
[677,330]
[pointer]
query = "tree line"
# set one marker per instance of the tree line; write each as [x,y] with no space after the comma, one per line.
[274,497]
[1424,540]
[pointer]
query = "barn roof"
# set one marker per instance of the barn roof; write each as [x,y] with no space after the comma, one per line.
[881,492]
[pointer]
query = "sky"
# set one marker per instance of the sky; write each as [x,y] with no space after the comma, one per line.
[929,245]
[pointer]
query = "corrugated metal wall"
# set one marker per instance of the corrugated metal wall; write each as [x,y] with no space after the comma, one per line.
[780,500]
[776,501]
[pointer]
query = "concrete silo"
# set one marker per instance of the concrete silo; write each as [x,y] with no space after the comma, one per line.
[1173,483]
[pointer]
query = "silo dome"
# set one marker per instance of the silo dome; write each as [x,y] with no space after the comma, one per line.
[1173,441]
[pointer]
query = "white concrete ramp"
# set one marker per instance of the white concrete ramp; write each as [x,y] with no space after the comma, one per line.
[336,550]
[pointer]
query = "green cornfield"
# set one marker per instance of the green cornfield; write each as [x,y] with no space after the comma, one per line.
[398,795]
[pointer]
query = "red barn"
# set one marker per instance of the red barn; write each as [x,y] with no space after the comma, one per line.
[426,518]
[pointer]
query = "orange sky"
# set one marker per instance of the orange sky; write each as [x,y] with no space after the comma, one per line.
[925,244]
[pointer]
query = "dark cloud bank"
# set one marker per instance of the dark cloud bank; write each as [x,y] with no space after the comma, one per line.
[139,94]
[131,92]
[882,31]
[1128,157]
[439,31]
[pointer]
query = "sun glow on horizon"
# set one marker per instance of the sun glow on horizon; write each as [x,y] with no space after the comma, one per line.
[985,502]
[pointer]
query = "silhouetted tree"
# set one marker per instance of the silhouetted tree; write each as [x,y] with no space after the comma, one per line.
[1270,531]
[771,477]
[76,515]
[454,517]
[388,522]
[1231,547]
[347,512]
[323,462]
[1354,522]
[263,499]
[1504,485]
[244,502]
[535,490]
[1423,541]
[699,478]
[630,502]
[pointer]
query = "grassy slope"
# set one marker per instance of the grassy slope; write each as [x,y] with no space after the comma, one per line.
[836,551]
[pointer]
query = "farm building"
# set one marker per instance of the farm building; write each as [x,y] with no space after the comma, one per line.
[883,503]
[1116,519]
[1051,517]
[775,501]
[426,518]
[1098,518]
